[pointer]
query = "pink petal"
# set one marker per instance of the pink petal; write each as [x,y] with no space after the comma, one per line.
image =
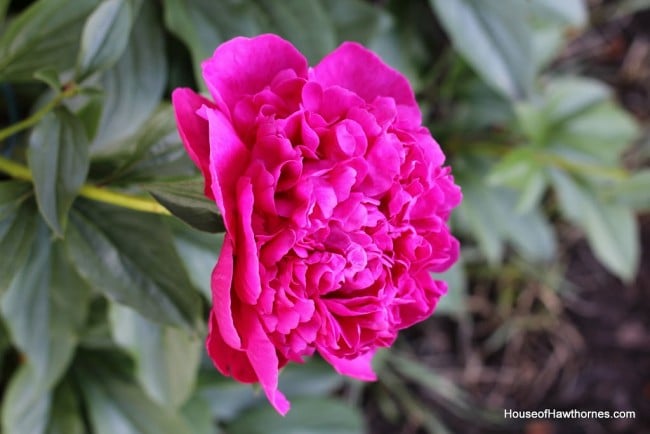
[228,159]
[229,361]
[194,130]
[247,265]
[221,295]
[360,367]
[264,360]
[245,66]
[360,70]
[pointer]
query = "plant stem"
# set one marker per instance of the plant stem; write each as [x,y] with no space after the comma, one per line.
[18,171]
[38,115]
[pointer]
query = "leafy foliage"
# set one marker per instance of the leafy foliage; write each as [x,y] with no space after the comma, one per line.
[104,306]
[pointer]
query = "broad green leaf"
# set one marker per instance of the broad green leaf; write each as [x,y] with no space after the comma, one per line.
[17,223]
[611,229]
[116,405]
[58,159]
[567,97]
[50,77]
[495,38]
[225,397]
[44,35]
[307,415]
[199,252]
[167,359]
[155,152]
[104,37]
[633,191]
[454,302]
[132,87]
[186,200]
[313,378]
[65,415]
[129,256]
[26,403]
[198,418]
[45,307]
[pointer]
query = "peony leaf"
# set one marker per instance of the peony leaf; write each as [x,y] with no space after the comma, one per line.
[129,257]
[495,38]
[185,199]
[65,414]
[42,321]
[308,415]
[26,403]
[167,359]
[59,162]
[45,35]
[16,233]
[104,37]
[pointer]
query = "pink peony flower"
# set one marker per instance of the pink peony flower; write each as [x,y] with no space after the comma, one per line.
[334,201]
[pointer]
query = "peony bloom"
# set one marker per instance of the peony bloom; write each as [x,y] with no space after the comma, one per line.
[334,201]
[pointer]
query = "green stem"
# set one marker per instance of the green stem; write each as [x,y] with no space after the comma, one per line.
[18,171]
[68,91]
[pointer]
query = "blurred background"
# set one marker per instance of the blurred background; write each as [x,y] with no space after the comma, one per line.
[543,110]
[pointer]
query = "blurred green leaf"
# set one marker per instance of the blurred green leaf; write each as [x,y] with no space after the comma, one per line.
[566,12]
[37,307]
[45,35]
[454,302]
[312,378]
[185,199]
[129,257]
[104,37]
[115,405]
[65,415]
[50,77]
[58,159]
[611,229]
[4,4]
[633,191]
[308,415]
[198,418]
[225,397]
[199,252]
[26,403]
[167,359]
[134,86]
[495,38]
[17,225]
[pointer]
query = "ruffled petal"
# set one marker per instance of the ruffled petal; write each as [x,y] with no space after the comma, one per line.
[193,130]
[229,361]
[245,66]
[359,368]
[360,70]
[222,295]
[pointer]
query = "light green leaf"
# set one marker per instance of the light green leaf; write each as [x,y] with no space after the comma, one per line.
[454,302]
[308,415]
[495,38]
[134,86]
[104,36]
[17,223]
[562,12]
[199,252]
[26,403]
[167,359]
[65,415]
[633,191]
[115,405]
[186,200]
[58,159]
[129,256]
[37,307]
[198,418]
[45,35]
[611,229]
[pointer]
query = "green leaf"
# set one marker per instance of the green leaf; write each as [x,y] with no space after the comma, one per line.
[50,77]
[45,35]
[58,159]
[115,405]
[26,403]
[132,87]
[312,378]
[455,301]
[167,359]
[563,12]
[199,252]
[45,307]
[129,256]
[155,152]
[307,415]
[495,38]
[186,200]
[4,4]
[65,415]
[197,416]
[104,36]
[611,229]
[633,191]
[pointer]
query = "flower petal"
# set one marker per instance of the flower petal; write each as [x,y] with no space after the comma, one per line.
[221,295]
[229,361]
[194,130]
[245,66]
[360,367]
[360,70]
